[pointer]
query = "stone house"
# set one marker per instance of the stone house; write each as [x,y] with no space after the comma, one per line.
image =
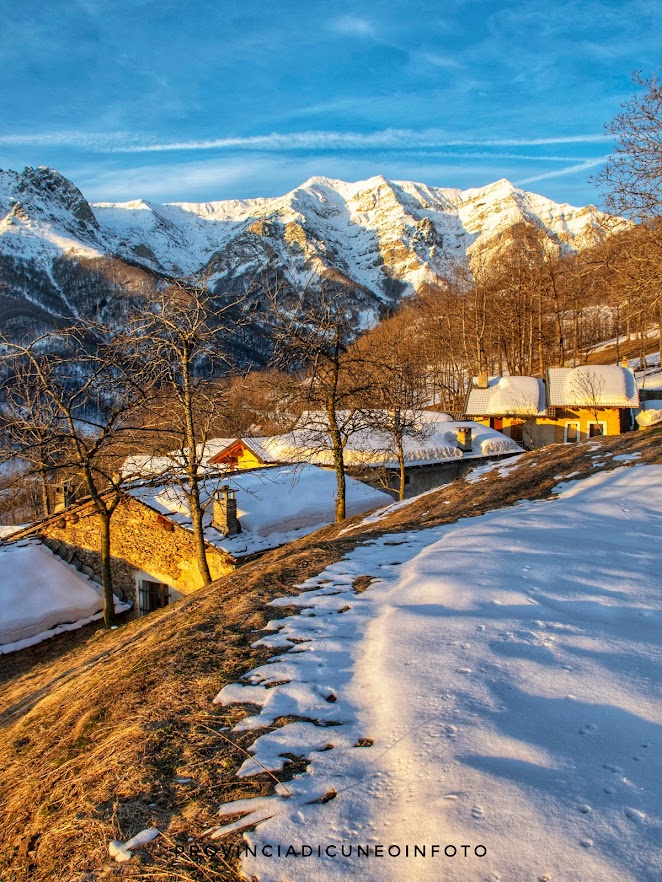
[152,545]
[573,404]
[153,556]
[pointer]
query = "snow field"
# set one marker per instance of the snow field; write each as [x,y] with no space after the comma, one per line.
[507,670]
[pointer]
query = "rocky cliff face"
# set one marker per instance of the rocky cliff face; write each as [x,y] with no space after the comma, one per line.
[62,257]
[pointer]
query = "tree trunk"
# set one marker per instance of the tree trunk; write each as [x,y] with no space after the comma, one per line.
[541,356]
[338,458]
[401,463]
[198,532]
[618,334]
[334,430]
[106,573]
[192,469]
[44,493]
[339,465]
[576,330]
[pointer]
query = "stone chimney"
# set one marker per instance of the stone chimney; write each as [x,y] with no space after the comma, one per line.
[482,380]
[225,518]
[464,439]
[65,494]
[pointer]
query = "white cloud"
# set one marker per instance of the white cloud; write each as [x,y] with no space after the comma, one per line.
[385,139]
[168,181]
[397,139]
[97,141]
[568,170]
[436,60]
[352,25]
[255,175]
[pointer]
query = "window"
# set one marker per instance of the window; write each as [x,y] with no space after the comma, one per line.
[596,429]
[517,433]
[152,595]
[571,432]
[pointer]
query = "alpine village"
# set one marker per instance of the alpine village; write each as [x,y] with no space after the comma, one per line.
[330,526]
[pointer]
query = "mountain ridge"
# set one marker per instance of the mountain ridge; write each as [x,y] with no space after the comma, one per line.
[382,239]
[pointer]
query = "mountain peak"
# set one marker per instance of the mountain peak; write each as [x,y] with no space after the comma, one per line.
[52,189]
[502,187]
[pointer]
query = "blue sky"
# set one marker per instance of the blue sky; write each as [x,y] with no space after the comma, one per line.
[217,99]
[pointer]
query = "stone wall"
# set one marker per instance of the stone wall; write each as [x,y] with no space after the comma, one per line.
[418,479]
[142,540]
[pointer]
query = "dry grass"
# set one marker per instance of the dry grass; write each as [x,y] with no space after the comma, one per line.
[94,736]
[626,349]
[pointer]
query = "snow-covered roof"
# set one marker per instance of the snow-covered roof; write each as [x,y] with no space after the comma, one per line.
[261,448]
[653,380]
[650,413]
[213,447]
[596,385]
[145,465]
[255,445]
[274,505]
[41,595]
[507,396]
[372,447]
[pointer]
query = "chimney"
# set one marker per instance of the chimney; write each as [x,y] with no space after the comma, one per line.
[464,439]
[225,518]
[482,380]
[64,496]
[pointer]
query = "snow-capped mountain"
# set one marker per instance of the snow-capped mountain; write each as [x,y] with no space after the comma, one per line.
[371,231]
[61,256]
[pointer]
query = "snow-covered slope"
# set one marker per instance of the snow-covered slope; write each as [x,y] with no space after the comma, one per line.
[492,700]
[43,216]
[382,238]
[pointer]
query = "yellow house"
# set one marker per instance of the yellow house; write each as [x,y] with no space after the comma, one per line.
[573,405]
[511,405]
[243,453]
[590,400]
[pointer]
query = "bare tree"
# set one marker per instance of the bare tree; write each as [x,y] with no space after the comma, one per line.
[67,405]
[260,403]
[432,326]
[398,390]
[184,334]
[632,177]
[29,424]
[312,332]
[588,387]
